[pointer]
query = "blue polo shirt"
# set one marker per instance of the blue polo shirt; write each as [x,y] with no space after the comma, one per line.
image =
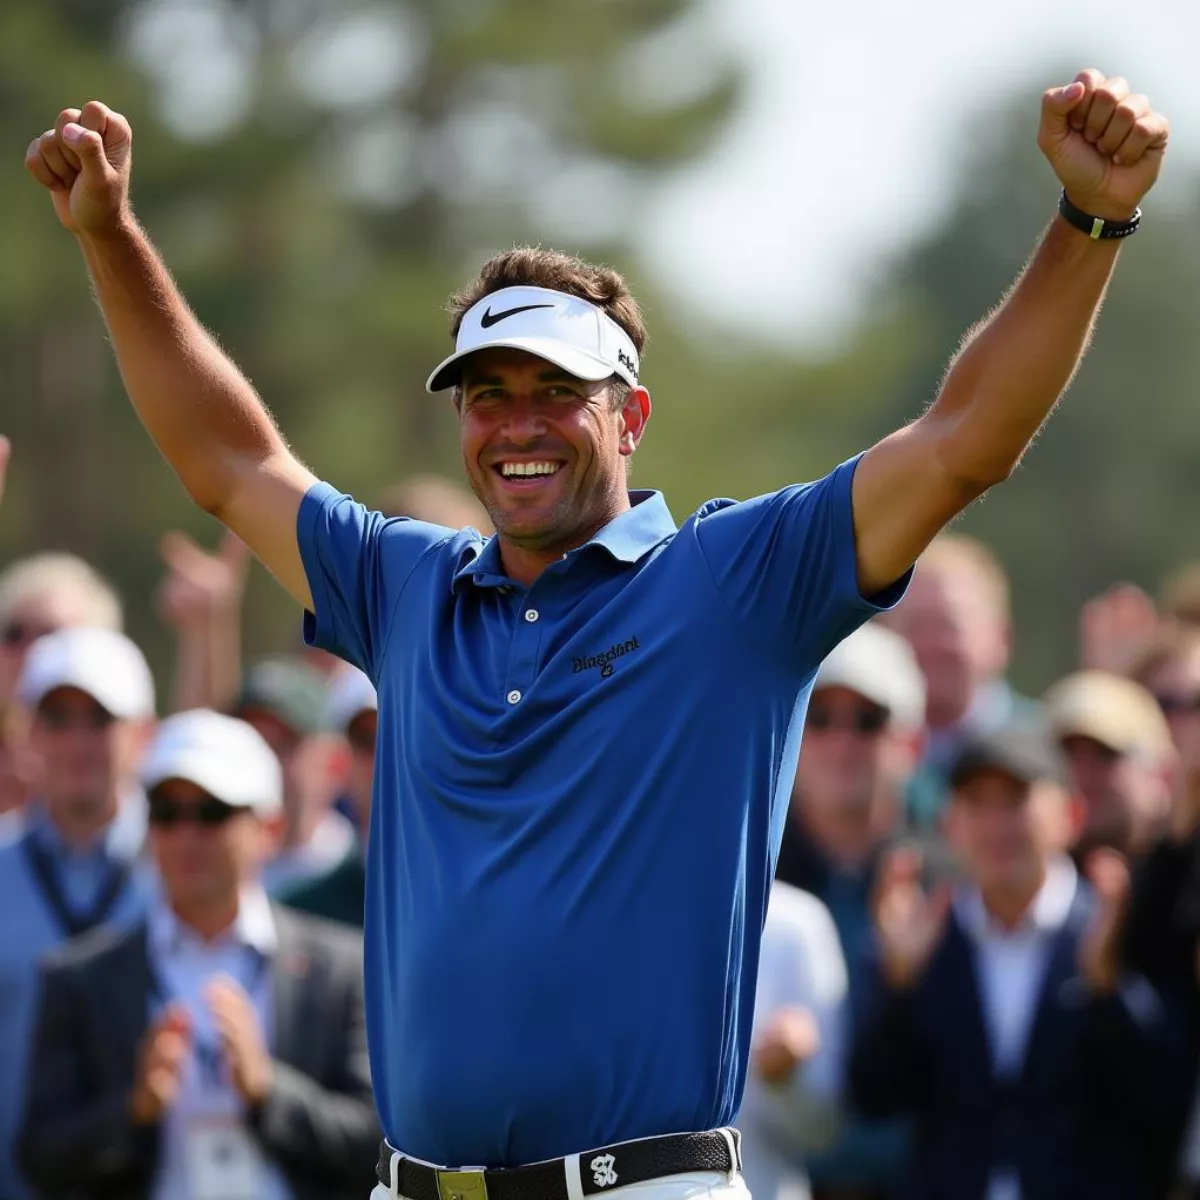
[579,797]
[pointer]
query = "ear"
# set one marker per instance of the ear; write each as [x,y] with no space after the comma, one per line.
[634,418]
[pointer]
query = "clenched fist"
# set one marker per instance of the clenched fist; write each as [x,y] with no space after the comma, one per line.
[161,1058]
[85,161]
[1105,143]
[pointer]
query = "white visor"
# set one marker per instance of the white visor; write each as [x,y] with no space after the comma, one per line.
[569,332]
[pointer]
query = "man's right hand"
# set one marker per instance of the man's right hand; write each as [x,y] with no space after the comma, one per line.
[161,1058]
[908,924]
[85,162]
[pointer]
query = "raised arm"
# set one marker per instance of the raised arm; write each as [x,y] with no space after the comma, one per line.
[197,406]
[1106,146]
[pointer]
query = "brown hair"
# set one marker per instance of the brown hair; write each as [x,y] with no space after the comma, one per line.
[531,266]
[957,550]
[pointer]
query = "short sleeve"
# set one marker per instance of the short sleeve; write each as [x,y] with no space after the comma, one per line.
[785,565]
[357,562]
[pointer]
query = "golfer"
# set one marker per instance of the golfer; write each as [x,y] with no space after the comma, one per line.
[589,723]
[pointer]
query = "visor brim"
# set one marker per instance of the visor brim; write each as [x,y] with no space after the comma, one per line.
[571,359]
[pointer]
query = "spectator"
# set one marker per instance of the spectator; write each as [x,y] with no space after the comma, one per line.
[39,595]
[340,894]
[284,699]
[957,617]
[791,1105]
[217,1050]
[1163,934]
[73,867]
[859,750]
[999,1019]
[1180,599]
[436,500]
[1122,760]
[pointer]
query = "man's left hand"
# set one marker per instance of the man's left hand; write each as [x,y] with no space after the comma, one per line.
[1105,143]
[242,1039]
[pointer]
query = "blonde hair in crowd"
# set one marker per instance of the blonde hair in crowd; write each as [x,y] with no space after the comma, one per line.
[34,577]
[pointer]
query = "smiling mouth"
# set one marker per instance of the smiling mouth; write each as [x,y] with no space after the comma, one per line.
[527,474]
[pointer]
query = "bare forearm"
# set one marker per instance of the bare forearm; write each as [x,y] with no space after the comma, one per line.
[196,405]
[1015,364]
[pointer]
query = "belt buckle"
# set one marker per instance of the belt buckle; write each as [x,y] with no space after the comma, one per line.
[462,1185]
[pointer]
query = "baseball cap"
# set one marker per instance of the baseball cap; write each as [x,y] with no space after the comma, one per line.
[1025,750]
[225,757]
[878,664]
[350,693]
[104,664]
[1109,709]
[565,330]
[289,689]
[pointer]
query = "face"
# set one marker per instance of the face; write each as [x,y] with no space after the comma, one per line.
[1125,795]
[1176,687]
[32,618]
[205,850]
[361,772]
[1002,829]
[82,758]
[959,640]
[843,759]
[517,411]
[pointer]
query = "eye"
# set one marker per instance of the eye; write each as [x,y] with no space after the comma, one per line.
[561,391]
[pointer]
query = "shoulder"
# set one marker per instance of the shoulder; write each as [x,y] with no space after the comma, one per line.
[98,952]
[338,944]
[799,919]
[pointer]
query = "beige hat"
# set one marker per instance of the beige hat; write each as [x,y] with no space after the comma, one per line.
[1110,709]
[878,664]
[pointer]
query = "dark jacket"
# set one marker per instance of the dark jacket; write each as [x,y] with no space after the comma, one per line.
[338,895]
[1081,1120]
[318,1124]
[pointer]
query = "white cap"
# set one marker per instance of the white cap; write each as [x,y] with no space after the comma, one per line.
[104,664]
[879,664]
[350,693]
[565,330]
[227,758]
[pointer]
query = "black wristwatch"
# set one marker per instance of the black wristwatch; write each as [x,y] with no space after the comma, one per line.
[1097,227]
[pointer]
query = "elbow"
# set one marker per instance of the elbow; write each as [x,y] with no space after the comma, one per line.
[968,473]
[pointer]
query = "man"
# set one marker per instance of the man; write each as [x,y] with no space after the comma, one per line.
[860,746]
[39,595]
[284,699]
[217,1050]
[340,894]
[588,724]
[957,616]
[793,1087]
[1122,760]
[91,700]
[1002,1023]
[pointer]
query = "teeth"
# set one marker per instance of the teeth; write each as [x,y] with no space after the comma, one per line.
[510,469]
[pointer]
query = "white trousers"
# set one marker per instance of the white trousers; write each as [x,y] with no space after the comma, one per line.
[698,1185]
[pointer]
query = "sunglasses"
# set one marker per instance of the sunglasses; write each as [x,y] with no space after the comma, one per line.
[864,721]
[59,720]
[209,813]
[1179,706]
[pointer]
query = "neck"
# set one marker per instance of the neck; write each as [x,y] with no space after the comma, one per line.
[1008,903]
[846,839]
[208,918]
[81,824]
[525,563]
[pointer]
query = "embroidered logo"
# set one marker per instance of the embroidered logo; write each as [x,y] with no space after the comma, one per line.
[605,661]
[602,1170]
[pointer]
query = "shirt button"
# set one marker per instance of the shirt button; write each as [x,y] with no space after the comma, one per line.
[531,615]
[514,697]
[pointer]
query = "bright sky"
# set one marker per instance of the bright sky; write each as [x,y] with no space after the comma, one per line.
[857,113]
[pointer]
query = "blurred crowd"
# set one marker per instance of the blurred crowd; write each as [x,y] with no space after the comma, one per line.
[979,974]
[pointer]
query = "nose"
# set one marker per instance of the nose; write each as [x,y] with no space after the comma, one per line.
[523,421]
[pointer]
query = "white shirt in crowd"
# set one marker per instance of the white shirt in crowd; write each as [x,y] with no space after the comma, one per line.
[208,1104]
[801,966]
[1012,965]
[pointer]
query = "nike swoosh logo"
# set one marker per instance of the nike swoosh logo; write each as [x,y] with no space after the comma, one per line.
[490,318]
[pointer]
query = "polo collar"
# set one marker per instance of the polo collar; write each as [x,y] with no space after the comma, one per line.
[627,538]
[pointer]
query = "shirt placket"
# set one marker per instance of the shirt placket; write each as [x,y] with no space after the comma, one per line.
[524,652]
